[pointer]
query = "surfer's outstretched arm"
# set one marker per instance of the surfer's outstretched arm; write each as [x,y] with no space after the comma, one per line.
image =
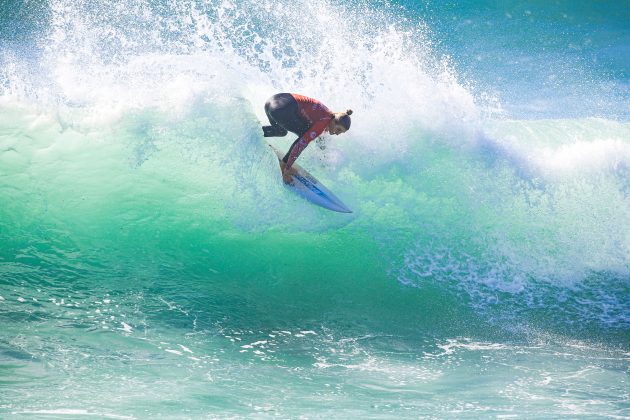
[300,144]
[296,148]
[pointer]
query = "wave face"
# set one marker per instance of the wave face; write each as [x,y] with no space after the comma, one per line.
[153,264]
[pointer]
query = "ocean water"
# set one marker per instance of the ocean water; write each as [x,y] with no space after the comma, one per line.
[152,264]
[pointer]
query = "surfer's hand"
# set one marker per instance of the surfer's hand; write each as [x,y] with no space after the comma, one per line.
[286,173]
[286,176]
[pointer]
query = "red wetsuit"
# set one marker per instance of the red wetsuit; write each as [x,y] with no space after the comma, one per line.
[316,116]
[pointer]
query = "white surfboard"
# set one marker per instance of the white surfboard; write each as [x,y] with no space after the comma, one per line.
[308,187]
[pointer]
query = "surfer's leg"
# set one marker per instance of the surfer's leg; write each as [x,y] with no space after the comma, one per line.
[273,130]
[283,114]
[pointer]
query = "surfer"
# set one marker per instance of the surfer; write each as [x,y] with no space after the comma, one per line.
[304,116]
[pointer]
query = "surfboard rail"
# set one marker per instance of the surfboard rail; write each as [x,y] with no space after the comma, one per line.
[308,187]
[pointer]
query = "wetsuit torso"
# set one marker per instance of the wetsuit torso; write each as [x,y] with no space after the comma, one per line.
[307,117]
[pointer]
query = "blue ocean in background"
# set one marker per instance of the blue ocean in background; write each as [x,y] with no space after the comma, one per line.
[152,263]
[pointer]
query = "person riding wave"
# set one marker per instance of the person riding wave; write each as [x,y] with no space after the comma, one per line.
[304,116]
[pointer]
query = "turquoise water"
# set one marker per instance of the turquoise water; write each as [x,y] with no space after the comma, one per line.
[152,264]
